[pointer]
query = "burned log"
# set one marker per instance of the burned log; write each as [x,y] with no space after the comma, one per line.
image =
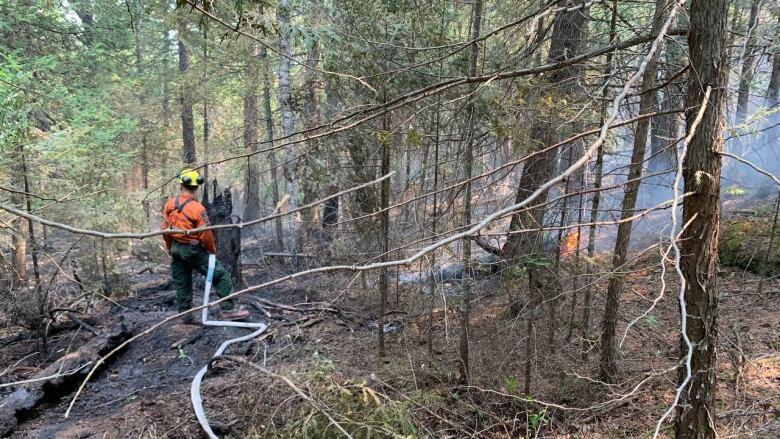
[57,379]
[228,241]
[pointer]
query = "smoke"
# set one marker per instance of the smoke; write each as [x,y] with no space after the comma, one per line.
[757,142]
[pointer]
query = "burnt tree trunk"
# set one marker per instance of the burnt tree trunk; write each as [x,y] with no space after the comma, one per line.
[228,241]
[701,214]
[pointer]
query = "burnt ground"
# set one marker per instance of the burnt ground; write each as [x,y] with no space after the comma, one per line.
[144,391]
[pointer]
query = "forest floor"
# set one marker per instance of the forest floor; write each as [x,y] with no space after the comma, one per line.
[144,391]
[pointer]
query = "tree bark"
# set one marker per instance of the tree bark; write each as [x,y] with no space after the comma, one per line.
[228,241]
[434,224]
[206,121]
[143,121]
[166,85]
[19,244]
[252,183]
[311,170]
[31,233]
[468,164]
[748,64]
[665,128]
[384,230]
[285,106]
[608,361]
[701,214]
[567,40]
[773,87]
[598,172]
[269,134]
[188,155]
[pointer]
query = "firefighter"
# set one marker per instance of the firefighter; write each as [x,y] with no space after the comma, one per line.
[191,251]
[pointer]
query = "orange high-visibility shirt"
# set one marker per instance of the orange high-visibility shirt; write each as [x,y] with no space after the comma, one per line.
[184,212]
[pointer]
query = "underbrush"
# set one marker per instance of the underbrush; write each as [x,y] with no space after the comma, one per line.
[744,244]
[273,410]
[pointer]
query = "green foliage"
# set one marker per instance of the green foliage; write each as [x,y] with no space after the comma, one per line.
[511,384]
[538,262]
[536,420]
[734,190]
[513,272]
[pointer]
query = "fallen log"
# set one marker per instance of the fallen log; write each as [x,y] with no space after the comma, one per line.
[58,378]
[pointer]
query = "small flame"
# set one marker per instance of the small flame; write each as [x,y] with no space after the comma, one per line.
[569,244]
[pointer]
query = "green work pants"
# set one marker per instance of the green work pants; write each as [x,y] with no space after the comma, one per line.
[186,258]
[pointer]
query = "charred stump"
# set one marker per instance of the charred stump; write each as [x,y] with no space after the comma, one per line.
[228,241]
[330,217]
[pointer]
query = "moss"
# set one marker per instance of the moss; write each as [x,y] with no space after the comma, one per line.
[744,244]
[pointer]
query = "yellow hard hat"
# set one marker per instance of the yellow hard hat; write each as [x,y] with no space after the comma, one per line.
[190,178]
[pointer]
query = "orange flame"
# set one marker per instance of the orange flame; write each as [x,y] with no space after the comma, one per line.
[569,245]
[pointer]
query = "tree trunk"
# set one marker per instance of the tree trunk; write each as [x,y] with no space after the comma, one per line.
[228,241]
[188,155]
[748,64]
[665,128]
[19,244]
[311,171]
[269,135]
[701,213]
[598,172]
[252,184]
[608,361]
[434,224]
[206,123]
[19,259]
[468,164]
[166,85]
[143,122]
[31,230]
[567,36]
[285,106]
[773,88]
[384,219]
[333,149]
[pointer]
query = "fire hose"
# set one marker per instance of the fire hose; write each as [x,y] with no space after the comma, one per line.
[197,401]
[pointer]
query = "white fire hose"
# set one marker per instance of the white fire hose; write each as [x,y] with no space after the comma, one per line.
[197,401]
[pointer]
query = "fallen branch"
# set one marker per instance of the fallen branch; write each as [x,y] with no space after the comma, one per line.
[57,377]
